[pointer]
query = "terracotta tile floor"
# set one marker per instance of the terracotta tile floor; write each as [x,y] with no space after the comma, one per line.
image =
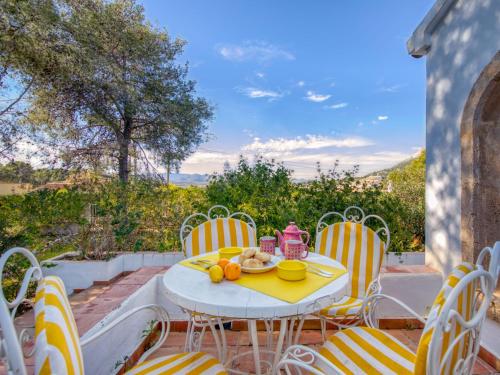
[239,342]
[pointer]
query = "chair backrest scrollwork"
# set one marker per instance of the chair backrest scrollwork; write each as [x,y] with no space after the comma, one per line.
[237,228]
[355,214]
[451,338]
[11,343]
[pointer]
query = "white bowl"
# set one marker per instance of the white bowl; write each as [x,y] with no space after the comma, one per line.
[267,266]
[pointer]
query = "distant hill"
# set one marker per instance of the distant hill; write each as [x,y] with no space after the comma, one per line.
[385,172]
[184,179]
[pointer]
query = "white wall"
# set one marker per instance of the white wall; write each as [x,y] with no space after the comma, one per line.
[461,47]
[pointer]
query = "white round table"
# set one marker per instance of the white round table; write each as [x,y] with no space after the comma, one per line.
[192,290]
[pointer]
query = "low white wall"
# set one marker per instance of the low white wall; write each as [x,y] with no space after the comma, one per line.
[417,290]
[406,259]
[77,274]
[100,356]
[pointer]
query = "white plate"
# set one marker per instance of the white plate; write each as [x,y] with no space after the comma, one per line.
[267,266]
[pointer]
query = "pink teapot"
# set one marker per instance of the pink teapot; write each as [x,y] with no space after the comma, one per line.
[291,232]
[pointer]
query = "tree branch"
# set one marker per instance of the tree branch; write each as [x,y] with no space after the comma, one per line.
[5,110]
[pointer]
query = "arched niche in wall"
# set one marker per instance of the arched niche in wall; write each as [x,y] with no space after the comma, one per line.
[480,163]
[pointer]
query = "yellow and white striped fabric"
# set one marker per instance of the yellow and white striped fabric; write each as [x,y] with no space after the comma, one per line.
[346,306]
[364,350]
[180,364]
[464,306]
[57,343]
[216,233]
[361,251]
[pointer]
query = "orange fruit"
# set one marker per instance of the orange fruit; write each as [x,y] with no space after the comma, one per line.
[223,262]
[216,274]
[232,271]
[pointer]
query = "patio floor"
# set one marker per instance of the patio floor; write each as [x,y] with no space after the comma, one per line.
[93,304]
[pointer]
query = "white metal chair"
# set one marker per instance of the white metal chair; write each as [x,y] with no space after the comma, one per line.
[350,241]
[58,346]
[216,231]
[449,343]
[202,233]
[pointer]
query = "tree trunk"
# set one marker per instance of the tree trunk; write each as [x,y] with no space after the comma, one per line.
[123,163]
[168,172]
[123,153]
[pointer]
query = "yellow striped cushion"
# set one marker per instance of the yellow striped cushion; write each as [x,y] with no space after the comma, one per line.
[180,364]
[358,248]
[216,233]
[363,350]
[57,342]
[463,306]
[346,306]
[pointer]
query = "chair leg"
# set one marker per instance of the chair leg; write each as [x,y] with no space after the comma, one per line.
[323,328]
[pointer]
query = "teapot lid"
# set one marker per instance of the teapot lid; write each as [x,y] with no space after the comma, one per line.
[292,228]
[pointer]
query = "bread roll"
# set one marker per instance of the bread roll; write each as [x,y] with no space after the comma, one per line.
[249,253]
[252,263]
[263,257]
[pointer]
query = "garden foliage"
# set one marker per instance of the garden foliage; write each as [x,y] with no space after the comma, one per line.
[146,215]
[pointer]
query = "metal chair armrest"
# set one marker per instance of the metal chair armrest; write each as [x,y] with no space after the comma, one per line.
[162,316]
[371,302]
[305,358]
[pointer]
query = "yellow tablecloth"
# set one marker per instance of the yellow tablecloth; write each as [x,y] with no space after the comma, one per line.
[270,284]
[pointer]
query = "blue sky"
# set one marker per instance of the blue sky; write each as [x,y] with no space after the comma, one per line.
[303,81]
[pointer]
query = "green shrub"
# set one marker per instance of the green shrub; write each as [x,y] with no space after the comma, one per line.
[266,192]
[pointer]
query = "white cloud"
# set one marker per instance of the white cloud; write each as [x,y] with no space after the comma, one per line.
[257,50]
[391,89]
[260,74]
[249,132]
[317,98]
[256,93]
[309,142]
[338,105]
[302,162]
[382,118]
[301,83]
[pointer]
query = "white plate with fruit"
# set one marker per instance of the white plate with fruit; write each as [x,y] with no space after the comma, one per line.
[254,261]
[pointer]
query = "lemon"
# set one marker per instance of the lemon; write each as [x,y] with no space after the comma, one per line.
[216,274]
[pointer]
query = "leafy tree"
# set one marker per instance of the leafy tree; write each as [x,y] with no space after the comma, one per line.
[408,184]
[120,92]
[263,190]
[27,52]
[16,171]
[22,172]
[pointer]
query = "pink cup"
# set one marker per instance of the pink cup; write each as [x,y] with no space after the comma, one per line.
[295,249]
[268,244]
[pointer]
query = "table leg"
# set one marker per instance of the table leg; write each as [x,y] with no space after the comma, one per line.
[269,333]
[220,349]
[252,327]
[289,337]
[299,330]
[279,345]
[223,338]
